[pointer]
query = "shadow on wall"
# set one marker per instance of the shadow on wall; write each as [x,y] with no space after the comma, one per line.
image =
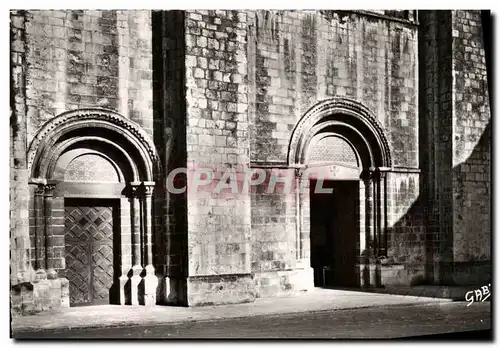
[421,250]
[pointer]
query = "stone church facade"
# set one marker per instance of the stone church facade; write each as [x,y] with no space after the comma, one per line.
[388,109]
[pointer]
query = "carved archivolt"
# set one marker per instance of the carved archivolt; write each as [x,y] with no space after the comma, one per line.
[352,114]
[88,119]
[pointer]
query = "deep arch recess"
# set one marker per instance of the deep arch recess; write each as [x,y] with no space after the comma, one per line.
[84,124]
[344,113]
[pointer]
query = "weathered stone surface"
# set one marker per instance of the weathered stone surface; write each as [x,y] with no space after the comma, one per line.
[298,58]
[88,59]
[471,142]
[225,90]
[456,146]
[214,289]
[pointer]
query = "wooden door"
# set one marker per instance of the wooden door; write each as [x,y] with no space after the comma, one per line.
[89,231]
[345,234]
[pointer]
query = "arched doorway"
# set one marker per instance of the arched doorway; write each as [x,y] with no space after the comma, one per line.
[342,154]
[93,176]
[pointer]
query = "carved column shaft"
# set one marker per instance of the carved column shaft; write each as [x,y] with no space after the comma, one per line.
[368,212]
[298,216]
[135,227]
[39,228]
[383,214]
[376,212]
[148,225]
[302,210]
[150,279]
[49,240]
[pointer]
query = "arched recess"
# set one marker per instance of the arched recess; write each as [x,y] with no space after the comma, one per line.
[342,116]
[101,124]
[96,155]
[340,135]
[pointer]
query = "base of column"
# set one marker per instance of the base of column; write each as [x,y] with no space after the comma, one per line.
[40,275]
[124,295]
[370,274]
[38,296]
[135,280]
[150,284]
[52,274]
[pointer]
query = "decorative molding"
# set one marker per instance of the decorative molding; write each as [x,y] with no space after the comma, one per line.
[405,170]
[148,188]
[37,181]
[49,189]
[135,190]
[265,164]
[67,119]
[39,190]
[328,107]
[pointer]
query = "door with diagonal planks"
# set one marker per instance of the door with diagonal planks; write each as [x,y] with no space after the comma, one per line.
[89,230]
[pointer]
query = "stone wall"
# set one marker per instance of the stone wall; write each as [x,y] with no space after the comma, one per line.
[86,59]
[274,232]
[455,151]
[471,149]
[224,90]
[19,233]
[65,60]
[406,234]
[83,58]
[169,74]
[297,58]
[217,137]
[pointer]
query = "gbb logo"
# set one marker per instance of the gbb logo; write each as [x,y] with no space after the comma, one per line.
[478,295]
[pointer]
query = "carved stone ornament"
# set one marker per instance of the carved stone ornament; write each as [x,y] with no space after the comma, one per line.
[327,108]
[96,117]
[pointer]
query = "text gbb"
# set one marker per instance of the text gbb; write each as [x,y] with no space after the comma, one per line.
[478,295]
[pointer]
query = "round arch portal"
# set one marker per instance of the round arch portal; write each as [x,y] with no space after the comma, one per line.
[340,140]
[93,173]
[341,114]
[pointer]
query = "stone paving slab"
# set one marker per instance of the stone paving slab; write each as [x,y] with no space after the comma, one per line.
[112,315]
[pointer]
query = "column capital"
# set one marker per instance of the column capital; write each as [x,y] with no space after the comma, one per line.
[366,175]
[148,187]
[39,189]
[134,189]
[49,189]
[299,172]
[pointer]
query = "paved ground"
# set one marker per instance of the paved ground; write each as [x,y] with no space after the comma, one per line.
[315,300]
[394,321]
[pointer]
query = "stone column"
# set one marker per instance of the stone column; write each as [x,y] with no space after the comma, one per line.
[302,230]
[150,279]
[39,233]
[49,238]
[369,212]
[383,214]
[298,215]
[368,252]
[376,211]
[126,252]
[377,230]
[135,278]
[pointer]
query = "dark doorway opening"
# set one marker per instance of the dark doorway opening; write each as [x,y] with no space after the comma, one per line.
[92,245]
[335,234]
